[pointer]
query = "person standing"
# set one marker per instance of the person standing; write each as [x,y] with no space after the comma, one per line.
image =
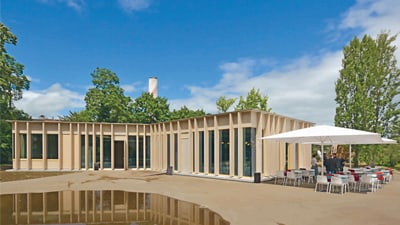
[325,163]
[314,165]
[335,164]
[331,165]
[341,162]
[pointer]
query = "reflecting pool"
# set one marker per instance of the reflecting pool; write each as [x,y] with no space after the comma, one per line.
[102,207]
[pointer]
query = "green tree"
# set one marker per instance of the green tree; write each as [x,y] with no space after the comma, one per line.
[6,132]
[106,102]
[254,100]
[367,88]
[81,116]
[185,112]
[12,83]
[12,79]
[149,109]
[224,103]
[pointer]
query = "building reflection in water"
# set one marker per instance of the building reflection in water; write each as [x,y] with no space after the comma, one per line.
[102,207]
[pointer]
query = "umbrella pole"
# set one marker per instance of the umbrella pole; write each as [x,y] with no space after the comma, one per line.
[350,156]
[322,159]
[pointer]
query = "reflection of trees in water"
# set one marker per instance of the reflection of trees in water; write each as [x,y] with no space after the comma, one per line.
[108,207]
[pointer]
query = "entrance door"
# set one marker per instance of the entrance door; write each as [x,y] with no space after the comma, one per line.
[118,154]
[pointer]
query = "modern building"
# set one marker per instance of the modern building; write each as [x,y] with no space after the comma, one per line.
[225,146]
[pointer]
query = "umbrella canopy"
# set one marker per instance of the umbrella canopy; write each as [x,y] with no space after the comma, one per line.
[388,141]
[324,134]
[329,135]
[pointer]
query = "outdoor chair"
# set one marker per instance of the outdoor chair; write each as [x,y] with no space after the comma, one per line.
[353,184]
[292,176]
[367,181]
[280,175]
[337,182]
[321,181]
[387,177]
[307,176]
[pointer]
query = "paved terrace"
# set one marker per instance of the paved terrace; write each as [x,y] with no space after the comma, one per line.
[240,203]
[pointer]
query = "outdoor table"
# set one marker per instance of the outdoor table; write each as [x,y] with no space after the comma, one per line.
[328,176]
[356,176]
[345,178]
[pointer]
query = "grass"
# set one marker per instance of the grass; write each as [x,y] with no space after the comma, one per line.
[6,176]
[397,166]
[4,166]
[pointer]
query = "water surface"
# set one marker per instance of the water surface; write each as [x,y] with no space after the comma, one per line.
[102,207]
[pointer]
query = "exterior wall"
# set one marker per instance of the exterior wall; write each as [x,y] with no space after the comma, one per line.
[227,146]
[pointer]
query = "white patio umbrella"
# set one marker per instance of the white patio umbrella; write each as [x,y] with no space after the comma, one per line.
[327,135]
[383,141]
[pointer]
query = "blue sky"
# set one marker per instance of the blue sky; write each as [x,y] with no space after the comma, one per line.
[199,50]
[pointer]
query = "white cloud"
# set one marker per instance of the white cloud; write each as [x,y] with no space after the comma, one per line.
[304,88]
[373,17]
[77,5]
[50,102]
[129,88]
[134,5]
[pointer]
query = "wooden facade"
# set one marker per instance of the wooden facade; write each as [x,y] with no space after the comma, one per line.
[226,146]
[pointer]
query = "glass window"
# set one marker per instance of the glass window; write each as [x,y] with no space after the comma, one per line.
[13,146]
[236,151]
[224,151]
[90,151]
[37,146]
[148,153]
[22,146]
[248,145]
[168,150]
[286,156]
[296,155]
[141,151]
[52,146]
[83,140]
[107,151]
[176,151]
[211,151]
[201,151]
[132,152]
[98,150]
[193,151]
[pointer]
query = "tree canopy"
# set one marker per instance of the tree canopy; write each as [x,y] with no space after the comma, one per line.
[224,103]
[149,109]
[106,102]
[254,100]
[367,91]
[185,112]
[12,83]
[12,79]
[368,85]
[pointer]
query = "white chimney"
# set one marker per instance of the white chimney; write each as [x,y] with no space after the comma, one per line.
[153,89]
